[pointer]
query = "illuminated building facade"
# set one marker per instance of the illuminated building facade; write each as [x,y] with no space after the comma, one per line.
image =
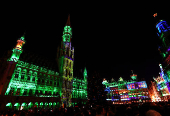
[79,91]
[122,91]
[163,81]
[162,85]
[154,93]
[26,84]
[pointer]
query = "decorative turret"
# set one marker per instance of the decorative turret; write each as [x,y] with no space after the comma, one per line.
[17,50]
[112,80]
[67,33]
[120,79]
[133,76]
[85,74]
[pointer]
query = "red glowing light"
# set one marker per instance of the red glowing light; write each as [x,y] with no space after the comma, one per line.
[155,15]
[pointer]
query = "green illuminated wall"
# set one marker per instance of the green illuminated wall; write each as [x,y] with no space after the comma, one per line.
[32,80]
[80,87]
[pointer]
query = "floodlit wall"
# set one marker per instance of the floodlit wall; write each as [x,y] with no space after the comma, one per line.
[32,80]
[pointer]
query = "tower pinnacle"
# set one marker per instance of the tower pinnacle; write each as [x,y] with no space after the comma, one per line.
[85,72]
[23,37]
[67,31]
[68,21]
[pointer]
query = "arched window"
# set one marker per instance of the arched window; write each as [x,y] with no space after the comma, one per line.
[68,52]
[72,54]
[29,75]
[23,74]
[25,92]
[34,76]
[17,72]
[39,78]
[70,63]
[66,72]
[46,92]
[51,82]
[43,81]
[69,74]
[55,83]
[41,92]
[30,92]
[18,92]
[11,92]
[58,81]
[48,79]
[37,93]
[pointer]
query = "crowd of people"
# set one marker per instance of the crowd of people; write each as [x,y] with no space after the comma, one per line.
[142,109]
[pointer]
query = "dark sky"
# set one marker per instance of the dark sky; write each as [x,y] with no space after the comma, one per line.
[109,39]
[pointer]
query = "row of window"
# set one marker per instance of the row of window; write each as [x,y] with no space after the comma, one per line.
[39,80]
[78,95]
[30,73]
[30,92]
[111,93]
[23,77]
[79,87]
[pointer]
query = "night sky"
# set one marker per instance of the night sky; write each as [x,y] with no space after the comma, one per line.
[108,40]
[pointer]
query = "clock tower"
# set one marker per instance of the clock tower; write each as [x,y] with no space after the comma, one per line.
[65,63]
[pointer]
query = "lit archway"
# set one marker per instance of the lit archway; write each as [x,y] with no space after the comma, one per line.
[16,106]
[72,104]
[41,104]
[9,105]
[50,104]
[23,106]
[30,105]
[54,104]
[36,104]
[58,104]
[46,105]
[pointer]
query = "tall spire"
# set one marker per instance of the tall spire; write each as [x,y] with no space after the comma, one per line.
[68,21]
[67,31]
[85,72]
[23,37]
